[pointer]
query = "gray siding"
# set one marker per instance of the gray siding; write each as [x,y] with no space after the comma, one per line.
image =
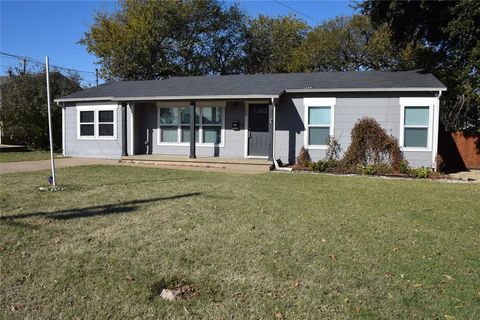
[145,120]
[289,136]
[74,147]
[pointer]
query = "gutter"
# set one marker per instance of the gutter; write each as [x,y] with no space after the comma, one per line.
[246,96]
[169,98]
[312,90]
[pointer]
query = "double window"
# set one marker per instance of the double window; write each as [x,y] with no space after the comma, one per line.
[416,124]
[96,123]
[319,121]
[174,125]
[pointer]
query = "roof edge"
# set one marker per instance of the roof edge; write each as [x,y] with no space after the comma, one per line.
[312,90]
[166,98]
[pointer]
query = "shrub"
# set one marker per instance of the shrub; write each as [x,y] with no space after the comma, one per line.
[372,145]
[304,158]
[366,169]
[404,167]
[422,172]
[334,149]
[325,165]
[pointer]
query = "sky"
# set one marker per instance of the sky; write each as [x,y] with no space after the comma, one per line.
[37,29]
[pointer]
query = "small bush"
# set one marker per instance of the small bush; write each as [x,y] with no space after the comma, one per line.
[404,167]
[304,158]
[325,165]
[371,145]
[422,172]
[366,169]
[334,149]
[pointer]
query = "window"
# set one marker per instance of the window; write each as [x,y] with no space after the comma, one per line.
[416,123]
[174,125]
[105,123]
[416,126]
[96,122]
[87,123]
[319,121]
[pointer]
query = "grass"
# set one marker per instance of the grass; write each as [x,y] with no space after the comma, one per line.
[25,156]
[269,246]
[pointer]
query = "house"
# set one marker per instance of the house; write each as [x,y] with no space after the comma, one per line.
[251,116]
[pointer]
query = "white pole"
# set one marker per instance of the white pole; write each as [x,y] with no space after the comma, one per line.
[52,160]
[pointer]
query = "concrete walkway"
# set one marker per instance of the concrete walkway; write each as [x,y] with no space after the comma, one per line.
[26,166]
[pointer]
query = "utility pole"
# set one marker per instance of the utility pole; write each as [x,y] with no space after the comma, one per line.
[52,160]
[96,75]
[24,65]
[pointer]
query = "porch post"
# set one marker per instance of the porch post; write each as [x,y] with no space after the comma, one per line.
[192,130]
[124,130]
[270,131]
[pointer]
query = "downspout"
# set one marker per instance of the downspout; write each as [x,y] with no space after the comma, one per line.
[62,105]
[274,129]
[436,131]
[124,130]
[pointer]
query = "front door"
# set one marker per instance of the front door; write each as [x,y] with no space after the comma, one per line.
[258,135]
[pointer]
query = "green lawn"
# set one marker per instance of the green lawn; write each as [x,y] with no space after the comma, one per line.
[25,156]
[293,246]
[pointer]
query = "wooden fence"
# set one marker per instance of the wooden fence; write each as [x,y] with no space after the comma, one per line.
[459,150]
[468,146]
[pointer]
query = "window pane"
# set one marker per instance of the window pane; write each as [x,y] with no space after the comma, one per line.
[416,137]
[105,116]
[185,115]
[87,130]
[319,115]
[86,116]
[169,134]
[318,136]
[168,115]
[211,115]
[186,134]
[212,134]
[416,116]
[105,130]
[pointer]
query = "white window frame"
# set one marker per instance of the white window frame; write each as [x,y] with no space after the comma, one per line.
[417,102]
[95,110]
[318,102]
[199,107]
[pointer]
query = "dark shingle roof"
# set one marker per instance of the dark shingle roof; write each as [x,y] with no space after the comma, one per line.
[259,85]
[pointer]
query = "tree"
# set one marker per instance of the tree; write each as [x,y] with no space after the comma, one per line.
[451,32]
[270,43]
[349,44]
[23,112]
[157,39]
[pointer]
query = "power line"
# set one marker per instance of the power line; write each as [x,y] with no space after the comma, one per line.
[38,62]
[297,11]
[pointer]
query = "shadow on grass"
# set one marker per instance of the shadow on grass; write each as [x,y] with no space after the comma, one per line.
[101,210]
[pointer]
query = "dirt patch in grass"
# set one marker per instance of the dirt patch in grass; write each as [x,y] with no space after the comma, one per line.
[178,288]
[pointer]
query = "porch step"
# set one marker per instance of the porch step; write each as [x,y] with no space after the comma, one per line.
[227,164]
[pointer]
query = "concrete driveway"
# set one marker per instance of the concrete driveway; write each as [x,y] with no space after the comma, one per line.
[25,166]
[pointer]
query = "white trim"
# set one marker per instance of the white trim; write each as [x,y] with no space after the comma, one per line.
[132,136]
[365,89]
[96,109]
[274,125]
[417,102]
[63,131]
[245,145]
[318,102]
[200,142]
[250,96]
[436,117]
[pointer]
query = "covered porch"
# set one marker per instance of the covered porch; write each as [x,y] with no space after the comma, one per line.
[232,131]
